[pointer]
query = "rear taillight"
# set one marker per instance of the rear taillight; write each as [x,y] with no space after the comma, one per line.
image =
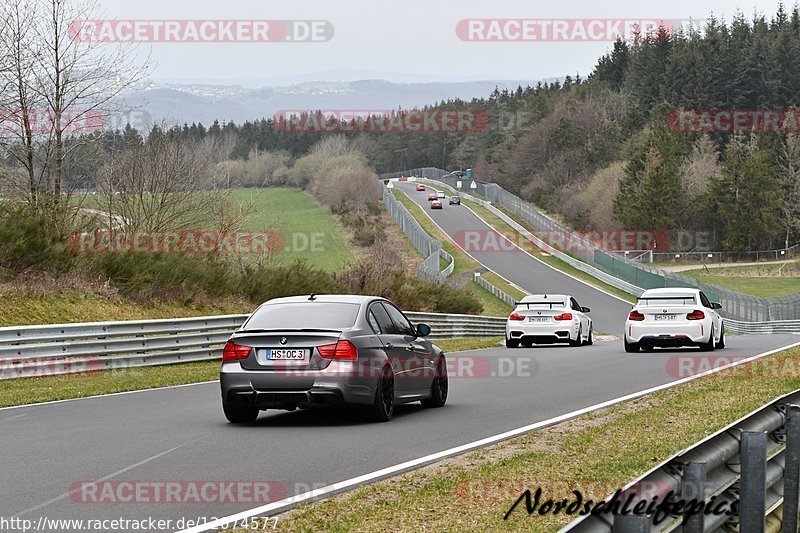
[563,316]
[235,352]
[696,315]
[341,351]
[636,316]
[516,317]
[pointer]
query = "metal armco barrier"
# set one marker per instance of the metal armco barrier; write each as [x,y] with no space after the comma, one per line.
[736,305]
[754,463]
[34,351]
[509,300]
[429,269]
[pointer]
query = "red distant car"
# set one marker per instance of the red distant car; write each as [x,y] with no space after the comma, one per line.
[420,187]
[436,204]
[432,197]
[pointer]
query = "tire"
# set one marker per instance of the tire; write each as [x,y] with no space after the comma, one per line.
[590,340]
[708,346]
[721,343]
[630,347]
[648,348]
[240,414]
[439,386]
[382,407]
[526,344]
[578,341]
[512,343]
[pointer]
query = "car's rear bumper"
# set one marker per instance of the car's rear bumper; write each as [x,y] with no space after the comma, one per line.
[542,333]
[339,383]
[668,334]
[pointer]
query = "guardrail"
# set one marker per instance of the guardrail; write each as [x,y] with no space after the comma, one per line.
[33,351]
[429,247]
[754,462]
[508,299]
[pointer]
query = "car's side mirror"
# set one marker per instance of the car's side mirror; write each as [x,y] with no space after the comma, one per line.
[716,305]
[423,330]
[585,310]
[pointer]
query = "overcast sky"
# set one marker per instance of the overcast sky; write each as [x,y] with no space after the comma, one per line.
[414,39]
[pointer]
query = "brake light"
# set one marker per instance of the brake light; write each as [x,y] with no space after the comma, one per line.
[563,316]
[341,351]
[636,316]
[515,316]
[235,352]
[696,315]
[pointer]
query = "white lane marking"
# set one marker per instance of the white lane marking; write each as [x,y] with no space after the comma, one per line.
[287,503]
[115,474]
[109,394]
[16,417]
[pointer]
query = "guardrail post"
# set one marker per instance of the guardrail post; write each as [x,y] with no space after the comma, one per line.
[631,523]
[753,482]
[791,471]
[693,486]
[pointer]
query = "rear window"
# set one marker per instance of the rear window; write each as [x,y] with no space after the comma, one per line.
[312,315]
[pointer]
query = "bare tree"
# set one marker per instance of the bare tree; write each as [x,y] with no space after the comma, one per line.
[166,184]
[57,86]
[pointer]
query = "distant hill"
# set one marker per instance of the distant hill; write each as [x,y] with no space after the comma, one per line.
[206,103]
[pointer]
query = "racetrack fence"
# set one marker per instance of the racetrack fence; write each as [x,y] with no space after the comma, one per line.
[753,463]
[736,305]
[35,351]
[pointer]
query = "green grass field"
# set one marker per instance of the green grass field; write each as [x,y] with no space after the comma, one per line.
[309,230]
[758,280]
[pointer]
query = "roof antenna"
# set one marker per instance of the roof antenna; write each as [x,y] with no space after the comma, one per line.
[312,297]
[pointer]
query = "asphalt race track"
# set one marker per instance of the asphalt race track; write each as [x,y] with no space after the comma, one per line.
[608,312]
[180,434]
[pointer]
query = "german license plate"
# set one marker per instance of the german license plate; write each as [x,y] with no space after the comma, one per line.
[665,317]
[285,354]
[538,319]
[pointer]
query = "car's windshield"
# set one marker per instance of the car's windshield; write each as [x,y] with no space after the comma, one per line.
[321,315]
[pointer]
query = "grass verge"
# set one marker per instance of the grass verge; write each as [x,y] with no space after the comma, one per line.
[82,306]
[758,280]
[45,389]
[595,453]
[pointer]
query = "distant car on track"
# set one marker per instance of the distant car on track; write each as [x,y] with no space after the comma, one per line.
[432,197]
[674,317]
[436,204]
[314,351]
[455,200]
[420,187]
[440,194]
[548,319]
